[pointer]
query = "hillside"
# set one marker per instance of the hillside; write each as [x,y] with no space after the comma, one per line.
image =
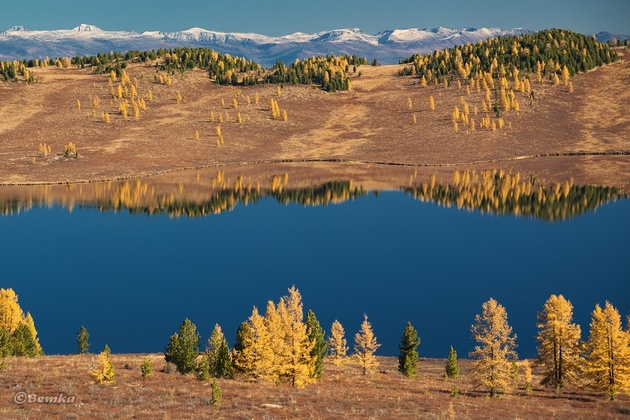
[383,119]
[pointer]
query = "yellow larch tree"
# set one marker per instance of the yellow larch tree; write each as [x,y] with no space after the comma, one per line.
[565,75]
[608,353]
[274,323]
[103,371]
[559,344]
[431,103]
[496,349]
[261,354]
[409,103]
[337,345]
[365,346]
[10,312]
[298,362]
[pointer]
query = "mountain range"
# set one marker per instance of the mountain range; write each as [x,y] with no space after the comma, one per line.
[387,46]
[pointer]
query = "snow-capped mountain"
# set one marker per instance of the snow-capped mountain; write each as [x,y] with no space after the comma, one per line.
[387,46]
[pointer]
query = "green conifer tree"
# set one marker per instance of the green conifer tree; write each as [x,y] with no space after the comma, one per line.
[243,340]
[320,349]
[452,367]
[183,347]
[203,368]
[218,354]
[82,341]
[217,395]
[408,355]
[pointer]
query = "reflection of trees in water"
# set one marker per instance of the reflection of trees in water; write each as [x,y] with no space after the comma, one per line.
[494,192]
[500,193]
[226,199]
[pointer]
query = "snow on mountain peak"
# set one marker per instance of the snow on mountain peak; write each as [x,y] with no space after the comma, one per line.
[386,46]
[87,28]
[17,29]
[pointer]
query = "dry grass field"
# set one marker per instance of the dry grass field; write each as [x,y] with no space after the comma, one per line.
[558,136]
[342,393]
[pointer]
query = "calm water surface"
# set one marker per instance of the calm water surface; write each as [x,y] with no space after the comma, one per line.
[132,279]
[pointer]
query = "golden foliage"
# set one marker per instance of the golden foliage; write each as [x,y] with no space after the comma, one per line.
[10,312]
[608,353]
[337,347]
[103,371]
[365,346]
[496,349]
[559,343]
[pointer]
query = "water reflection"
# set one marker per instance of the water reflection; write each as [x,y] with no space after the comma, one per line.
[202,193]
[497,192]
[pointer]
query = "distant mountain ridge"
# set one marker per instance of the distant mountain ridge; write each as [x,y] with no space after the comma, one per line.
[389,46]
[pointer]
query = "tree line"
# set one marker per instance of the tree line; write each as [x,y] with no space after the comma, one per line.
[545,53]
[284,346]
[331,72]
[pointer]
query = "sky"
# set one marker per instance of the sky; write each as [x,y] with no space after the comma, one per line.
[282,17]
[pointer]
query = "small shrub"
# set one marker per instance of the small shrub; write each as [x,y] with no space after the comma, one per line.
[217,396]
[146,368]
[454,391]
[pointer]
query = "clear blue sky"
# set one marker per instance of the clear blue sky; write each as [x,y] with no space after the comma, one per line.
[281,17]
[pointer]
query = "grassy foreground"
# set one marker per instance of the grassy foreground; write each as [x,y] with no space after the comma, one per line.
[342,393]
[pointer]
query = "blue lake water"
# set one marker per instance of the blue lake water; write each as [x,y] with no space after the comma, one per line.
[132,279]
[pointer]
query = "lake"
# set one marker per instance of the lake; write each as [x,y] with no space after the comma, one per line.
[131,273]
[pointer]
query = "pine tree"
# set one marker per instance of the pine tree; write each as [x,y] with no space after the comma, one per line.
[451,369]
[337,344]
[242,342]
[82,341]
[203,368]
[408,355]
[496,348]
[218,354]
[608,353]
[183,347]
[320,348]
[217,395]
[103,371]
[365,346]
[23,343]
[559,343]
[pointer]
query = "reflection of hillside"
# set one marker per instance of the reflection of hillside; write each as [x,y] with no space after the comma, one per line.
[138,197]
[500,193]
[201,193]
[226,199]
